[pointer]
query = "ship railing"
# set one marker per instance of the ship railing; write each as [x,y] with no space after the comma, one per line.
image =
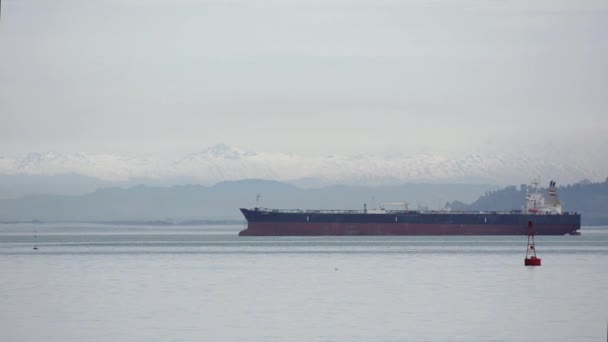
[453,212]
[319,211]
[468,212]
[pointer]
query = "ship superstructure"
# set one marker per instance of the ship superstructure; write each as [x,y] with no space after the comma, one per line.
[536,203]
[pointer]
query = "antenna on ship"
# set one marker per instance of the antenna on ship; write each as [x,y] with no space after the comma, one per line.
[35,241]
[257,200]
[535,182]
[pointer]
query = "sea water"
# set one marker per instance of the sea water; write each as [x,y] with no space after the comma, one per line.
[204,283]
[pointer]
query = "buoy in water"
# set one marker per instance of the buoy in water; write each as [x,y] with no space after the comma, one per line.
[531,258]
[533,261]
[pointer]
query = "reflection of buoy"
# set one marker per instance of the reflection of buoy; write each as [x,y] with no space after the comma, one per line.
[531,258]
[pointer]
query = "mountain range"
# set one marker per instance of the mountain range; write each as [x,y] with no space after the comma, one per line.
[222,201]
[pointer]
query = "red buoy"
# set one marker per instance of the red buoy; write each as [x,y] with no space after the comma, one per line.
[531,258]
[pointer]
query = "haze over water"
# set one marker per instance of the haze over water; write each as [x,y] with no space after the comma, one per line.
[96,96]
[135,283]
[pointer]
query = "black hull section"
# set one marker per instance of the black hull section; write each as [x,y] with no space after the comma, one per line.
[276,223]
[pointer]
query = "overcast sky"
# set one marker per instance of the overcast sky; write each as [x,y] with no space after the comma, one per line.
[311,77]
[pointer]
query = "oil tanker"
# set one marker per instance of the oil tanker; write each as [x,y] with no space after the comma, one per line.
[545,215]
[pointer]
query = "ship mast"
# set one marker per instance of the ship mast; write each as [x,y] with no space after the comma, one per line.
[535,201]
[257,200]
[35,240]
[535,182]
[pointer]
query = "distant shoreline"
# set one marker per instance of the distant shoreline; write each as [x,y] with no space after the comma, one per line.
[177,223]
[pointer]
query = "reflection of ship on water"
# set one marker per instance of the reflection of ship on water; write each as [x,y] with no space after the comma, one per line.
[547,215]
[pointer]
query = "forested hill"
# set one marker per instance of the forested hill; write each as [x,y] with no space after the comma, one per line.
[590,199]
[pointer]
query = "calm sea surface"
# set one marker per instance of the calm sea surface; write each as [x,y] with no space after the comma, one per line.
[204,283]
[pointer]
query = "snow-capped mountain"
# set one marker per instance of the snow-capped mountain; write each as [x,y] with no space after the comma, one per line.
[221,162]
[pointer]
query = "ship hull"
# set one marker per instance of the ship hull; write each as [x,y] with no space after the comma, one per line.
[320,229]
[310,224]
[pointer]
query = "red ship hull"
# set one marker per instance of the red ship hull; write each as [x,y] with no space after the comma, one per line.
[334,228]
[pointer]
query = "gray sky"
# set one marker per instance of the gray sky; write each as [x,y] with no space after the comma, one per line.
[311,77]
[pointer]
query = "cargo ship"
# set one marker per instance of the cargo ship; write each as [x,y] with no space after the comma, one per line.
[545,216]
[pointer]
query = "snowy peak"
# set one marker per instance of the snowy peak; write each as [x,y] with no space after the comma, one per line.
[222,162]
[218,151]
